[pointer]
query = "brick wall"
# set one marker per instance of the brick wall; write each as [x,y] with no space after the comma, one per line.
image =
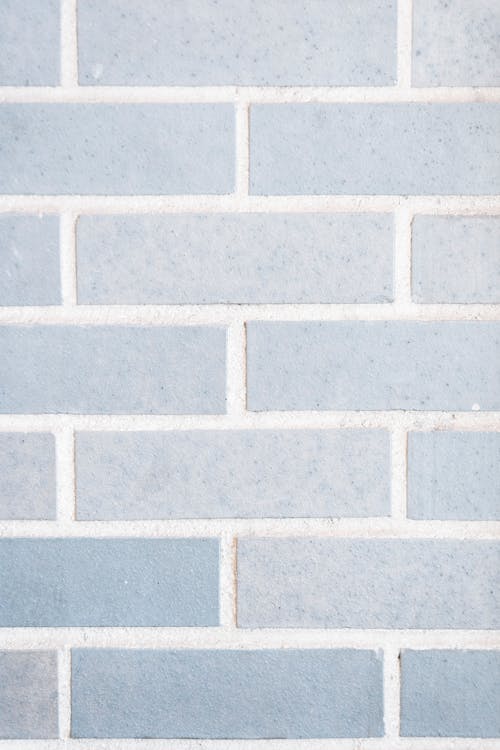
[249,375]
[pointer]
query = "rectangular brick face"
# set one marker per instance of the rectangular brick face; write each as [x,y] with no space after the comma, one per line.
[28,695]
[108,582]
[370,149]
[232,694]
[117,149]
[27,476]
[235,473]
[373,365]
[235,258]
[450,693]
[367,583]
[204,44]
[112,369]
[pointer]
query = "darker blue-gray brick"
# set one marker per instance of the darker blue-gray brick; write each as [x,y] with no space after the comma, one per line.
[108,582]
[222,694]
[112,369]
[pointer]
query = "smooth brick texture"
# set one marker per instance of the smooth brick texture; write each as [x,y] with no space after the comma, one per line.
[370,149]
[244,474]
[373,365]
[117,149]
[206,43]
[227,694]
[29,260]
[108,582]
[368,583]
[456,259]
[456,43]
[450,693]
[112,369]
[28,695]
[216,258]
[454,475]
[27,476]
[29,43]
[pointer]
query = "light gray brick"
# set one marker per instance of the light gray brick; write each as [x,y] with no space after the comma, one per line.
[206,43]
[456,43]
[28,695]
[29,260]
[29,43]
[367,583]
[223,694]
[235,258]
[109,582]
[121,149]
[456,259]
[370,149]
[373,365]
[112,369]
[27,476]
[454,475]
[235,473]
[450,693]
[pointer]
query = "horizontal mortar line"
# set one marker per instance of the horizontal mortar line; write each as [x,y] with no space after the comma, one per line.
[248,94]
[380,743]
[384,420]
[378,527]
[225,314]
[259,638]
[233,203]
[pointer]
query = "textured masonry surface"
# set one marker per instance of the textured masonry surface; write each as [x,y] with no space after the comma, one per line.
[249,375]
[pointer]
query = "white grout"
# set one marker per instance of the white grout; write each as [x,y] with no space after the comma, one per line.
[65,474]
[390,743]
[64,692]
[69,49]
[233,638]
[441,205]
[71,93]
[392,688]
[67,255]
[320,420]
[236,315]
[402,260]
[236,369]
[338,528]
[399,470]
[227,581]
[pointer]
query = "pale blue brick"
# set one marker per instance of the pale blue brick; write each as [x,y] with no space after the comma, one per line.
[373,365]
[207,43]
[223,694]
[450,693]
[370,149]
[27,476]
[112,369]
[235,258]
[456,259]
[29,43]
[243,474]
[29,260]
[456,43]
[117,149]
[454,475]
[28,695]
[108,582]
[368,583]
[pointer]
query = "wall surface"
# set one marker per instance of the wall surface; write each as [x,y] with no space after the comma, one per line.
[249,375]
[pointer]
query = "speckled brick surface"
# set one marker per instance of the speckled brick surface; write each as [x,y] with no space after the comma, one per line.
[249,374]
